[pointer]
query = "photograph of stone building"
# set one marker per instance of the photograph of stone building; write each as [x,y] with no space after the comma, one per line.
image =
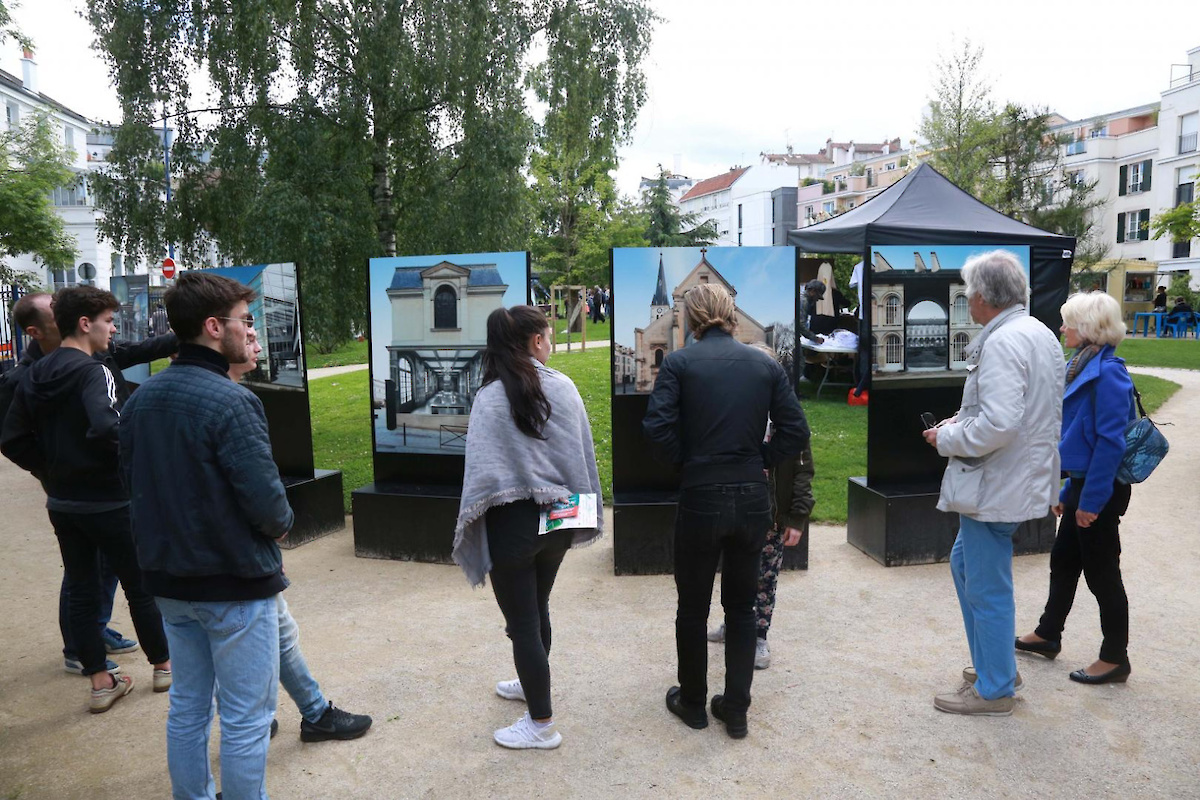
[428,332]
[920,323]
[650,285]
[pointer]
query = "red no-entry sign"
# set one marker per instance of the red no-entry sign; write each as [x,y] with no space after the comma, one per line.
[168,268]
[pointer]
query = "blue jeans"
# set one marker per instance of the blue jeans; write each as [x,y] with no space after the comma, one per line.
[231,648]
[108,590]
[293,671]
[981,563]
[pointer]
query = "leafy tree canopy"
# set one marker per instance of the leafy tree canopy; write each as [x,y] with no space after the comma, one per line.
[328,132]
[668,226]
[32,164]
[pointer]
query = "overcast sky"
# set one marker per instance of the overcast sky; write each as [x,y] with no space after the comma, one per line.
[730,80]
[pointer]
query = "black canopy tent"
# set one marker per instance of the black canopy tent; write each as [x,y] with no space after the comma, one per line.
[891,514]
[924,208]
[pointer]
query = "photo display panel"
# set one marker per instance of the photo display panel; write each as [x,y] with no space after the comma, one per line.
[920,333]
[649,323]
[428,331]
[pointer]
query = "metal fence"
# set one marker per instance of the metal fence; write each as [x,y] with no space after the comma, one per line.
[12,341]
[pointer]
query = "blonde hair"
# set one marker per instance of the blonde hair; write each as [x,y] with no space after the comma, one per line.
[708,305]
[1096,316]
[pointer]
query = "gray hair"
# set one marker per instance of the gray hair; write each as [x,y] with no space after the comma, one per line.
[998,278]
[1096,317]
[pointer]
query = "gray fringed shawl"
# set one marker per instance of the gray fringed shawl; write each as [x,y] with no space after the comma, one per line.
[504,465]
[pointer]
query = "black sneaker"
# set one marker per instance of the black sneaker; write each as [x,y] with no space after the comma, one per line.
[735,722]
[334,724]
[691,716]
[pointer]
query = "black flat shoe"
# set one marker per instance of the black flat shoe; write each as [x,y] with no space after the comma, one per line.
[695,718]
[1118,674]
[1047,648]
[735,723]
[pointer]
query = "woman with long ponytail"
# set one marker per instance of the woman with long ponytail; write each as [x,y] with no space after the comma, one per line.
[529,444]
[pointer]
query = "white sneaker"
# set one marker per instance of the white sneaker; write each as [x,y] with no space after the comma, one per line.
[525,735]
[511,690]
[717,634]
[762,654]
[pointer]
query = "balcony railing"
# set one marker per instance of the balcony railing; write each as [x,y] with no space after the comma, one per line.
[1187,143]
[1075,148]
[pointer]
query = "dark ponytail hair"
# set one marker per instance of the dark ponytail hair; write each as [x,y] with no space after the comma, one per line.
[507,359]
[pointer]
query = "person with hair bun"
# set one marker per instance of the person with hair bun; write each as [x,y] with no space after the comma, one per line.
[707,415]
[1098,405]
[529,443]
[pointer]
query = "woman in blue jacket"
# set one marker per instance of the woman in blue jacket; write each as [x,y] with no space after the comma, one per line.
[1098,404]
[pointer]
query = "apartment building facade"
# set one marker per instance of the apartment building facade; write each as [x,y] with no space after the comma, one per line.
[746,204]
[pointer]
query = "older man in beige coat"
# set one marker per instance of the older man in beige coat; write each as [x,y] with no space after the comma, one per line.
[1003,470]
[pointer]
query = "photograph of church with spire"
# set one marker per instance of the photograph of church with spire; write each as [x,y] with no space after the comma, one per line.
[649,319]
[921,327]
[428,332]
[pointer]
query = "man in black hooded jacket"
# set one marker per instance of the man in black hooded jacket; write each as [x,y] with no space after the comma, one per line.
[32,314]
[62,427]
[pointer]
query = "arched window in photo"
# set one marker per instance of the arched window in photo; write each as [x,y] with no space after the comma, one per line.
[958,351]
[445,308]
[894,348]
[891,310]
[960,313]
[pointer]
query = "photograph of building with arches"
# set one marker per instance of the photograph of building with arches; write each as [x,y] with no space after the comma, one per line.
[921,326]
[428,332]
[649,285]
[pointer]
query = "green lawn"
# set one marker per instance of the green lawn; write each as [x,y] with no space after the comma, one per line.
[596,332]
[342,432]
[1177,353]
[352,352]
[341,421]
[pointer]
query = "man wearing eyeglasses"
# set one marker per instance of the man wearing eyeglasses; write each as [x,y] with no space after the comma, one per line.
[208,507]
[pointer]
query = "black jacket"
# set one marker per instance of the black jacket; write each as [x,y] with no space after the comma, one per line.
[791,490]
[709,409]
[62,427]
[207,501]
[119,356]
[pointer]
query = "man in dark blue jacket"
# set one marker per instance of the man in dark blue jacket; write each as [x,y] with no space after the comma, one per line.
[32,314]
[208,507]
[708,414]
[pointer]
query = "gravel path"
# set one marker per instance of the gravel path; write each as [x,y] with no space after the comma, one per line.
[844,711]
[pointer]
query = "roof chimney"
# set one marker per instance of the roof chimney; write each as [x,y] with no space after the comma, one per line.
[28,70]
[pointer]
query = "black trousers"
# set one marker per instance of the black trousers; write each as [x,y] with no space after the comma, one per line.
[1094,551]
[81,539]
[724,523]
[524,566]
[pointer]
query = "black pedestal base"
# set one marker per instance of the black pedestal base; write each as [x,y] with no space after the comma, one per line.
[644,536]
[318,505]
[407,522]
[901,525]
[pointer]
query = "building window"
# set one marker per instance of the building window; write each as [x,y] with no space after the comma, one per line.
[658,357]
[891,310]
[69,136]
[894,349]
[404,381]
[828,208]
[1075,179]
[1133,230]
[739,238]
[808,212]
[445,308]
[739,216]
[891,166]
[1135,177]
[961,313]
[1187,132]
[63,278]
[1096,133]
[958,350]
[12,115]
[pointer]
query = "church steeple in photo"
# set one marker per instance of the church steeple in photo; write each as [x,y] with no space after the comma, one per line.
[661,296]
